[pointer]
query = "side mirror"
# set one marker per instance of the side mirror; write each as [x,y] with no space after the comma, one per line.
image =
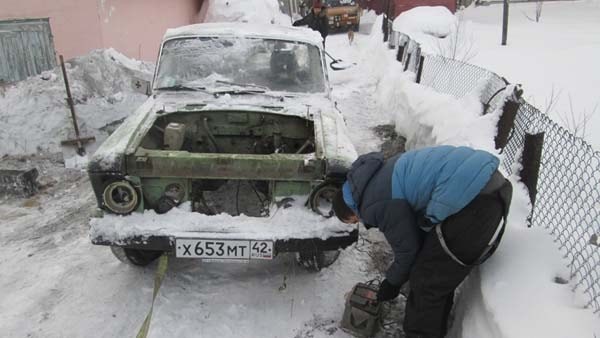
[340,65]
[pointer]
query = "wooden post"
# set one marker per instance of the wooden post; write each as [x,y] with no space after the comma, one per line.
[507,120]
[531,161]
[505,23]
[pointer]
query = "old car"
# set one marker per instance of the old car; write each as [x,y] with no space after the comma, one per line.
[343,14]
[235,155]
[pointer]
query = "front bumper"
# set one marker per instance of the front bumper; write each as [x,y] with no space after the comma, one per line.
[167,243]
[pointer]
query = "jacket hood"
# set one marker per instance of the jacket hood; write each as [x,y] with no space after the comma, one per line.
[360,174]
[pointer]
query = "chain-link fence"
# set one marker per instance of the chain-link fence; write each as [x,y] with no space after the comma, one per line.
[567,201]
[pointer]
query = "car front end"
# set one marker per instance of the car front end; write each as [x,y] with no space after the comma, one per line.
[221,169]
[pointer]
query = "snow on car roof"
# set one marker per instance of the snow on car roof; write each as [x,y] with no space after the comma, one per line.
[246,30]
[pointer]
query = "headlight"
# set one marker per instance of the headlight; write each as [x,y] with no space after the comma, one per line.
[120,197]
[321,199]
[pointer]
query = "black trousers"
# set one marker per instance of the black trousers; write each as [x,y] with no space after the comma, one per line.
[435,275]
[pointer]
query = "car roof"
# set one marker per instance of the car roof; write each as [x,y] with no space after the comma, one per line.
[276,32]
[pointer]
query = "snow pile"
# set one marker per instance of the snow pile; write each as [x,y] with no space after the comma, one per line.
[34,116]
[295,221]
[438,32]
[426,117]
[437,21]
[251,11]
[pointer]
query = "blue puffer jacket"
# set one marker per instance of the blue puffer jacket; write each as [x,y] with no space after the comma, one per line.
[411,192]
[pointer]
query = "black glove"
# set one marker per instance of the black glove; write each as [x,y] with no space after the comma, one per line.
[387,291]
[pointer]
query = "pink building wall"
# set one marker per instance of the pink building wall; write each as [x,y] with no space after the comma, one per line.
[133,27]
[136,27]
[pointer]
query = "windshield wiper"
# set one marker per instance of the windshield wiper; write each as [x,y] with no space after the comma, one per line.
[238,91]
[180,87]
[243,85]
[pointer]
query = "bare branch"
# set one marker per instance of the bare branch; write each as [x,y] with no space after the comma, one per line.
[577,123]
[552,100]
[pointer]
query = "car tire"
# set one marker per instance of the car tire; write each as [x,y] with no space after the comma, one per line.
[317,260]
[134,256]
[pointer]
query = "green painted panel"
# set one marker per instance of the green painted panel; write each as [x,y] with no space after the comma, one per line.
[279,167]
[291,188]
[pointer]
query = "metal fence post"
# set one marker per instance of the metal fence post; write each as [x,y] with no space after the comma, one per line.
[531,161]
[507,120]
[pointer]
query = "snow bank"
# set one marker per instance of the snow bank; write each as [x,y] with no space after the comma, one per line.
[426,117]
[438,31]
[34,116]
[251,11]
[437,21]
[517,295]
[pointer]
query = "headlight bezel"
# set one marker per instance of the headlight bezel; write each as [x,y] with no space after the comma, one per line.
[120,197]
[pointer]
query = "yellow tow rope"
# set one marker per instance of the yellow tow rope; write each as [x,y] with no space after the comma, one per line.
[158,278]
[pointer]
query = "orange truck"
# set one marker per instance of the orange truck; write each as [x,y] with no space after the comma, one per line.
[343,14]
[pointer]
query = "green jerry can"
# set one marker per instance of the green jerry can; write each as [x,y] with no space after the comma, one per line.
[362,312]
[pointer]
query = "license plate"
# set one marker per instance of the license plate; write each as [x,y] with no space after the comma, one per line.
[223,249]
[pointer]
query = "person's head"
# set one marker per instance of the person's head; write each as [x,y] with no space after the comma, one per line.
[343,212]
[317,5]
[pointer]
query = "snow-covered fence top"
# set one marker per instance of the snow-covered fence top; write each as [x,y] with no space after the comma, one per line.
[568,186]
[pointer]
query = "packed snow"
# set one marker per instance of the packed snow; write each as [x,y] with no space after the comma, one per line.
[292,221]
[61,286]
[436,20]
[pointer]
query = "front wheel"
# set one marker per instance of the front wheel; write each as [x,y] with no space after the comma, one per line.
[135,256]
[316,260]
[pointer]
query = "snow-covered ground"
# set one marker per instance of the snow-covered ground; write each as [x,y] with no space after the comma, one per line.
[56,284]
[555,59]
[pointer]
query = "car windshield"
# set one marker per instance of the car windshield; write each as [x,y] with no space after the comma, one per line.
[248,63]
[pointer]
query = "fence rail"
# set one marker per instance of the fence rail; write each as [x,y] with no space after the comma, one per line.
[567,193]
